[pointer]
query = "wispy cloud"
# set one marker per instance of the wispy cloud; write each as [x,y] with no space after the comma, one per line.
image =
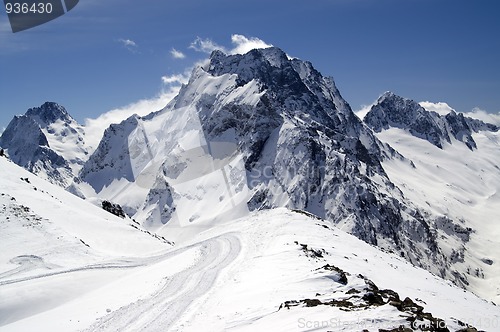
[205,45]
[361,113]
[175,79]
[94,128]
[476,113]
[485,116]
[177,54]
[129,44]
[241,45]
[244,44]
[440,107]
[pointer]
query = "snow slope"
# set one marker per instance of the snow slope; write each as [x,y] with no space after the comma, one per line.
[461,184]
[48,233]
[144,159]
[273,270]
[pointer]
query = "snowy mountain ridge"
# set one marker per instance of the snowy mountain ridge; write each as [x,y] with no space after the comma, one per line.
[394,111]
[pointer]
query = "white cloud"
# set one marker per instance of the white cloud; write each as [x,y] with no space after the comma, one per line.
[177,54]
[175,79]
[440,108]
[205,45]
[363,111]
[476,113]
[94,128]
[243,44]
[487,117]
[129,44]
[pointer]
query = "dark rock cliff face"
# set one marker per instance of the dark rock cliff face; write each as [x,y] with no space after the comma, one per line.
[398,112]
[111,159]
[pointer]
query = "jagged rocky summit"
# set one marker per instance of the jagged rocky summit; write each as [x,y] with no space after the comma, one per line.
[392,111]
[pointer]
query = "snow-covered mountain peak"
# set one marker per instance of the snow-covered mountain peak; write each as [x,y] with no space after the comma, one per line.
[47,141]
[386,94]
[393,111]
[273,55]
[256,64]
[389,96]
[299,88]
[48,113]
[262,65]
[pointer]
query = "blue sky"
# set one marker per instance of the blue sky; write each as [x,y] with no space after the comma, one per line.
[103,55]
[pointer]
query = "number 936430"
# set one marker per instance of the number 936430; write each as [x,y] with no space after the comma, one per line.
[28,8]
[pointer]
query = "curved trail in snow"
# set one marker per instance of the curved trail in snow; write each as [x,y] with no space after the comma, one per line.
[161,310]
[27,267]
[124,263]
[26,263]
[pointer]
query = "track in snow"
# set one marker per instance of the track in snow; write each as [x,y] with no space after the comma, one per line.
[30,265]
[160,311]
[26,263]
